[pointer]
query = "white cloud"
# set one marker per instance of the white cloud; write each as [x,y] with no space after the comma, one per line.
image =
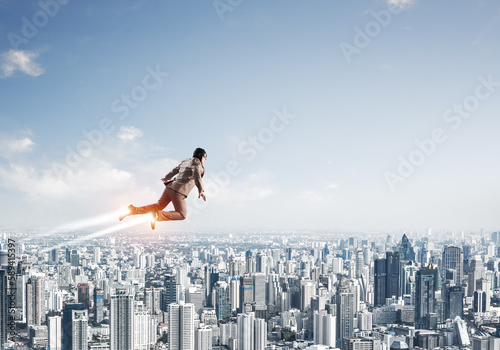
[19,60]
[400,3]
[10,146]
[332,185]
[19,145]
[129,133]
[94,176]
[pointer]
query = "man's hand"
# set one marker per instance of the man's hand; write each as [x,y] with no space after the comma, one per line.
[163,179]
[202,195]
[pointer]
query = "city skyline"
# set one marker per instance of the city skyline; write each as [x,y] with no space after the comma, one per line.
[213,291]
[343,116]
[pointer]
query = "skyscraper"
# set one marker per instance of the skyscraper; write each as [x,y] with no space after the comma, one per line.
[427,283]
[122,318]
[84,294]
[392,288]
[482,296]
[34,301]
[346,311]
[97,255]
[260,262]
[252,332]
[453,300]
[325,328]
[222,303]
[307,291]
[380,279]
[80,321]
[453,259]
[171,294]
[54,254]
[260,331]
[246,291]
[246,331]
[152,300]
[288,254]
[408,271]
[406,251]
[211,277]
[55,332]
[259,283]
[144,329]
[181,326]
[98,305]
[203,338]
[234,293]
[196,296]
[476,271]
[67,324]
[360,262]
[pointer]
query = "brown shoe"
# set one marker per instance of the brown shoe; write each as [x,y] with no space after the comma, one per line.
[129,211]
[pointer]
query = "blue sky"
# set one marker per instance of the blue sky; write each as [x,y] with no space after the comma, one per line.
[337,133]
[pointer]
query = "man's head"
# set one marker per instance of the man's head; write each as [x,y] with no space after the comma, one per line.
[200,154]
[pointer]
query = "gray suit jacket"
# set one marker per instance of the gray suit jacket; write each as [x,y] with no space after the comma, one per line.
[189,174]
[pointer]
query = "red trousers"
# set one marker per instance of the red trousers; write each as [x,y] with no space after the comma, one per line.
[169,195]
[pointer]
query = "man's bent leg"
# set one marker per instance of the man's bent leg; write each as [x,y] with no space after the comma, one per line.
[179,205]
[162,203]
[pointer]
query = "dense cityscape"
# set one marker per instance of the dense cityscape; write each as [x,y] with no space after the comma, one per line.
[250,290]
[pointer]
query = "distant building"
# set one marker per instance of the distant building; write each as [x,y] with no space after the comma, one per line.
[406,251]
[203,338]
[393,268]
[453,259]
[246,291]
[55,333]
[482,296]
[211,277]
[84,294]
[80,322]
[222,301]
[427,283]
[252,332]
[476,271]
[380,278]
[34,301]
[122,318]
[172,292]
[361,344]
[98,305]
[428,339]
[325,328]
[181,326]
[38,336]
[67,324]
[481,341]
[454,301]
[346,311]
[195,296]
